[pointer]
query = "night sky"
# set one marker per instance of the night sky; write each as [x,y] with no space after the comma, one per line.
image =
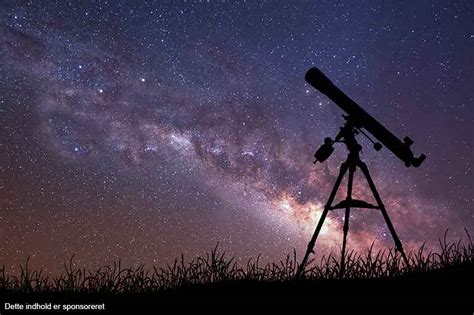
[141,130]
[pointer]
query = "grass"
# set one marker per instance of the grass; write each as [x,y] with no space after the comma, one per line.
[217,267]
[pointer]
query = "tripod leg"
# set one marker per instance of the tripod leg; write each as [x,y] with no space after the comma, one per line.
[309,250]
[346,220]
[398,243]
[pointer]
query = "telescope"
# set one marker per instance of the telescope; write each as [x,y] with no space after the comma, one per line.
[357,120]
[360,119]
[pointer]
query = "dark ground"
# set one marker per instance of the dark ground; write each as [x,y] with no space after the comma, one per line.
[449,291]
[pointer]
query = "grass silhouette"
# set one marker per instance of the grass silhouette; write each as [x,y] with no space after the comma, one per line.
[217,268]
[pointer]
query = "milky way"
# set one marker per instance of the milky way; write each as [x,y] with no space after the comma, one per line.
[145,130]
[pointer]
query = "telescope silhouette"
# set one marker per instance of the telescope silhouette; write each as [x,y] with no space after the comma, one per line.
[359,118]
[356,120]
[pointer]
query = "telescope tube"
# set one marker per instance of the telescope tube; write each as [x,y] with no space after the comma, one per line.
[359,118]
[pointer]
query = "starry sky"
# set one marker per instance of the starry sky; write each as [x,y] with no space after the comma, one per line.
[142,130]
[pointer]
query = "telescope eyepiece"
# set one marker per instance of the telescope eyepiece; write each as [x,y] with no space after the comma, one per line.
[417,161]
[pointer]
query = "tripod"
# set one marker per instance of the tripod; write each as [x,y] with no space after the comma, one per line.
[347,136]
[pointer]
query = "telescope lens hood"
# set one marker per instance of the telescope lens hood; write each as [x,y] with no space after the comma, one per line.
[318,80]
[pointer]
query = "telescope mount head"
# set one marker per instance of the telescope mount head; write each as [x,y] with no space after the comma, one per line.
[346,135]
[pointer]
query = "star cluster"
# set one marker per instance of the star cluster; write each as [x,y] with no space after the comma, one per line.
[143,130]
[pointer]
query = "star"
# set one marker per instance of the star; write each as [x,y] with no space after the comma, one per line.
[177,133]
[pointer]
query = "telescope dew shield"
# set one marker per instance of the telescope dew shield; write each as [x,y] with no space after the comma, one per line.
[359,118]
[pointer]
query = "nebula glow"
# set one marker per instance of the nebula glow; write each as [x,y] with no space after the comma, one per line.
[145,130]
